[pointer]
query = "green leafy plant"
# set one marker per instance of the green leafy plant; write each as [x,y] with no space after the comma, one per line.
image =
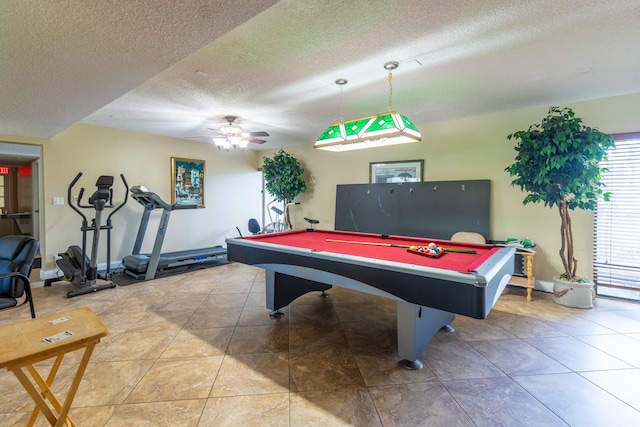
[558,163]
[283,176]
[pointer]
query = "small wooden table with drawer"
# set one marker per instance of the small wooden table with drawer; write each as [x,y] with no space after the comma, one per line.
[27,342]
[526,280]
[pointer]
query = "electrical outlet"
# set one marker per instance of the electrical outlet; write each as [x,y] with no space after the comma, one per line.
[58,201]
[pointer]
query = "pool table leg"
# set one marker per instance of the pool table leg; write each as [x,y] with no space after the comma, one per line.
[416,326]
[282,289]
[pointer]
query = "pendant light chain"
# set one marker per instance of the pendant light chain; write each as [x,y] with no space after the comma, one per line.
[341,102]
[390,66]
[341,82]
[390,92]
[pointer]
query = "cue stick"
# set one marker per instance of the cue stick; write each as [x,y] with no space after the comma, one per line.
[395,245]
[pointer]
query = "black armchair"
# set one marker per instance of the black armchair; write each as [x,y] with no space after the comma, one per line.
[17,254]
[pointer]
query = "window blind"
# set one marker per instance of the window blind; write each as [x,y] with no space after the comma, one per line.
[617,222]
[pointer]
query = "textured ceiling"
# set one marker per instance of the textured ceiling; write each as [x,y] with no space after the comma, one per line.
[175,68]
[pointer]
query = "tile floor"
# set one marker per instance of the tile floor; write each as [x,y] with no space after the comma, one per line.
[199,349]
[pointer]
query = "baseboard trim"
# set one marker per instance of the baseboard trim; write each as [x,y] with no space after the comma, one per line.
[55,273]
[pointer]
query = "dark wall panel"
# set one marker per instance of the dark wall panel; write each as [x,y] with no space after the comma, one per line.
[435,209]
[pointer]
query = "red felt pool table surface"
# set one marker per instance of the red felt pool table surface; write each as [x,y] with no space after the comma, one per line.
[371,246]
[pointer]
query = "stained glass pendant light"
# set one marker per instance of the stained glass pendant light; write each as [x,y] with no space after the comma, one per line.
[388,128]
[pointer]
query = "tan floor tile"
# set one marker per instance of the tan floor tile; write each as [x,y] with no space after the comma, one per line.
[256,299]
[91,416]
[247,411]
[577,355]
[179,302]
[324,370]
[178,413]
[503,403]
[305,338]
[358,312]
[161,321]
[448,357]
[119,320]
[566,394]
[371,337]
[259,373]
[320,311]
[260,339]
[406,405]
[522,327]
[136,346]
[177,379]
[14,419]
[109,383]
[622,384]
[199,343]
[238,285]
[215,301]
[344,407]
[516,357]
[219,318]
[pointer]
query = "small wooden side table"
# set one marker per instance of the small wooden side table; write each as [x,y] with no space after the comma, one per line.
[30,341]
[528,281]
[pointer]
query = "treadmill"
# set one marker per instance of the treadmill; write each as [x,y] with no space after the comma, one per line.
[149,266]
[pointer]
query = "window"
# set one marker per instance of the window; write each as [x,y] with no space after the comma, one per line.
[616,262]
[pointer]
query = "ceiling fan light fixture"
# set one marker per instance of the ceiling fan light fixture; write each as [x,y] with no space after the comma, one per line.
[230,129]
[384,129]
[222,143]
[235,140]
[219,141]
[230,136]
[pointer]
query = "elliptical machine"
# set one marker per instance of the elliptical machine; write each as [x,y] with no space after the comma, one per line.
[76,266]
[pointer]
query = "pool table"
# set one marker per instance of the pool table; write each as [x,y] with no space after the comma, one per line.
[429,291]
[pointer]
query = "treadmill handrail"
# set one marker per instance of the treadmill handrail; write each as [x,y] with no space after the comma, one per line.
[151,200]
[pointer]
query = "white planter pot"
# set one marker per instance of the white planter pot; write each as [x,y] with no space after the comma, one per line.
[573,294]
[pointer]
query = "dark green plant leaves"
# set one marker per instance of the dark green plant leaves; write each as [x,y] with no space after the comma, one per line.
[283,175]
[558,164]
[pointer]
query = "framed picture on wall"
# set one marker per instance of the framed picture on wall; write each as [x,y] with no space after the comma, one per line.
[187,181]
[396,171]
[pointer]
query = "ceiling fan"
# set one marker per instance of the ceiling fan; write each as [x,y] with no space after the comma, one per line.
[230,136]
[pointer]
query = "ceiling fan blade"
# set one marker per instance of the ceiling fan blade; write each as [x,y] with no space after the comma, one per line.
[215,130]
[259,133]
[254,140]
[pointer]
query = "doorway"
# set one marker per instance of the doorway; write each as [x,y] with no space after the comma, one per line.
[20,198]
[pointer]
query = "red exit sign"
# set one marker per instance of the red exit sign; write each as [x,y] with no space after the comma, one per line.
[4,170]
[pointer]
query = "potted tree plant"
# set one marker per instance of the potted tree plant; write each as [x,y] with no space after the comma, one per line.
[283,176]
[558,164]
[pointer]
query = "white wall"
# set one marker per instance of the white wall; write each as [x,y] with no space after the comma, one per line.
[232,188]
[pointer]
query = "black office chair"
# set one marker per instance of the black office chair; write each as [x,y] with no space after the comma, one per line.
[254,226]
[17,254]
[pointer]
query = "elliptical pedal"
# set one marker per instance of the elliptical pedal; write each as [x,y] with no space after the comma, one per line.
[67,266]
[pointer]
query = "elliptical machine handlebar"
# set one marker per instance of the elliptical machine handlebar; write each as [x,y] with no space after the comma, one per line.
[126,197]
[70,196]
[98,200]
